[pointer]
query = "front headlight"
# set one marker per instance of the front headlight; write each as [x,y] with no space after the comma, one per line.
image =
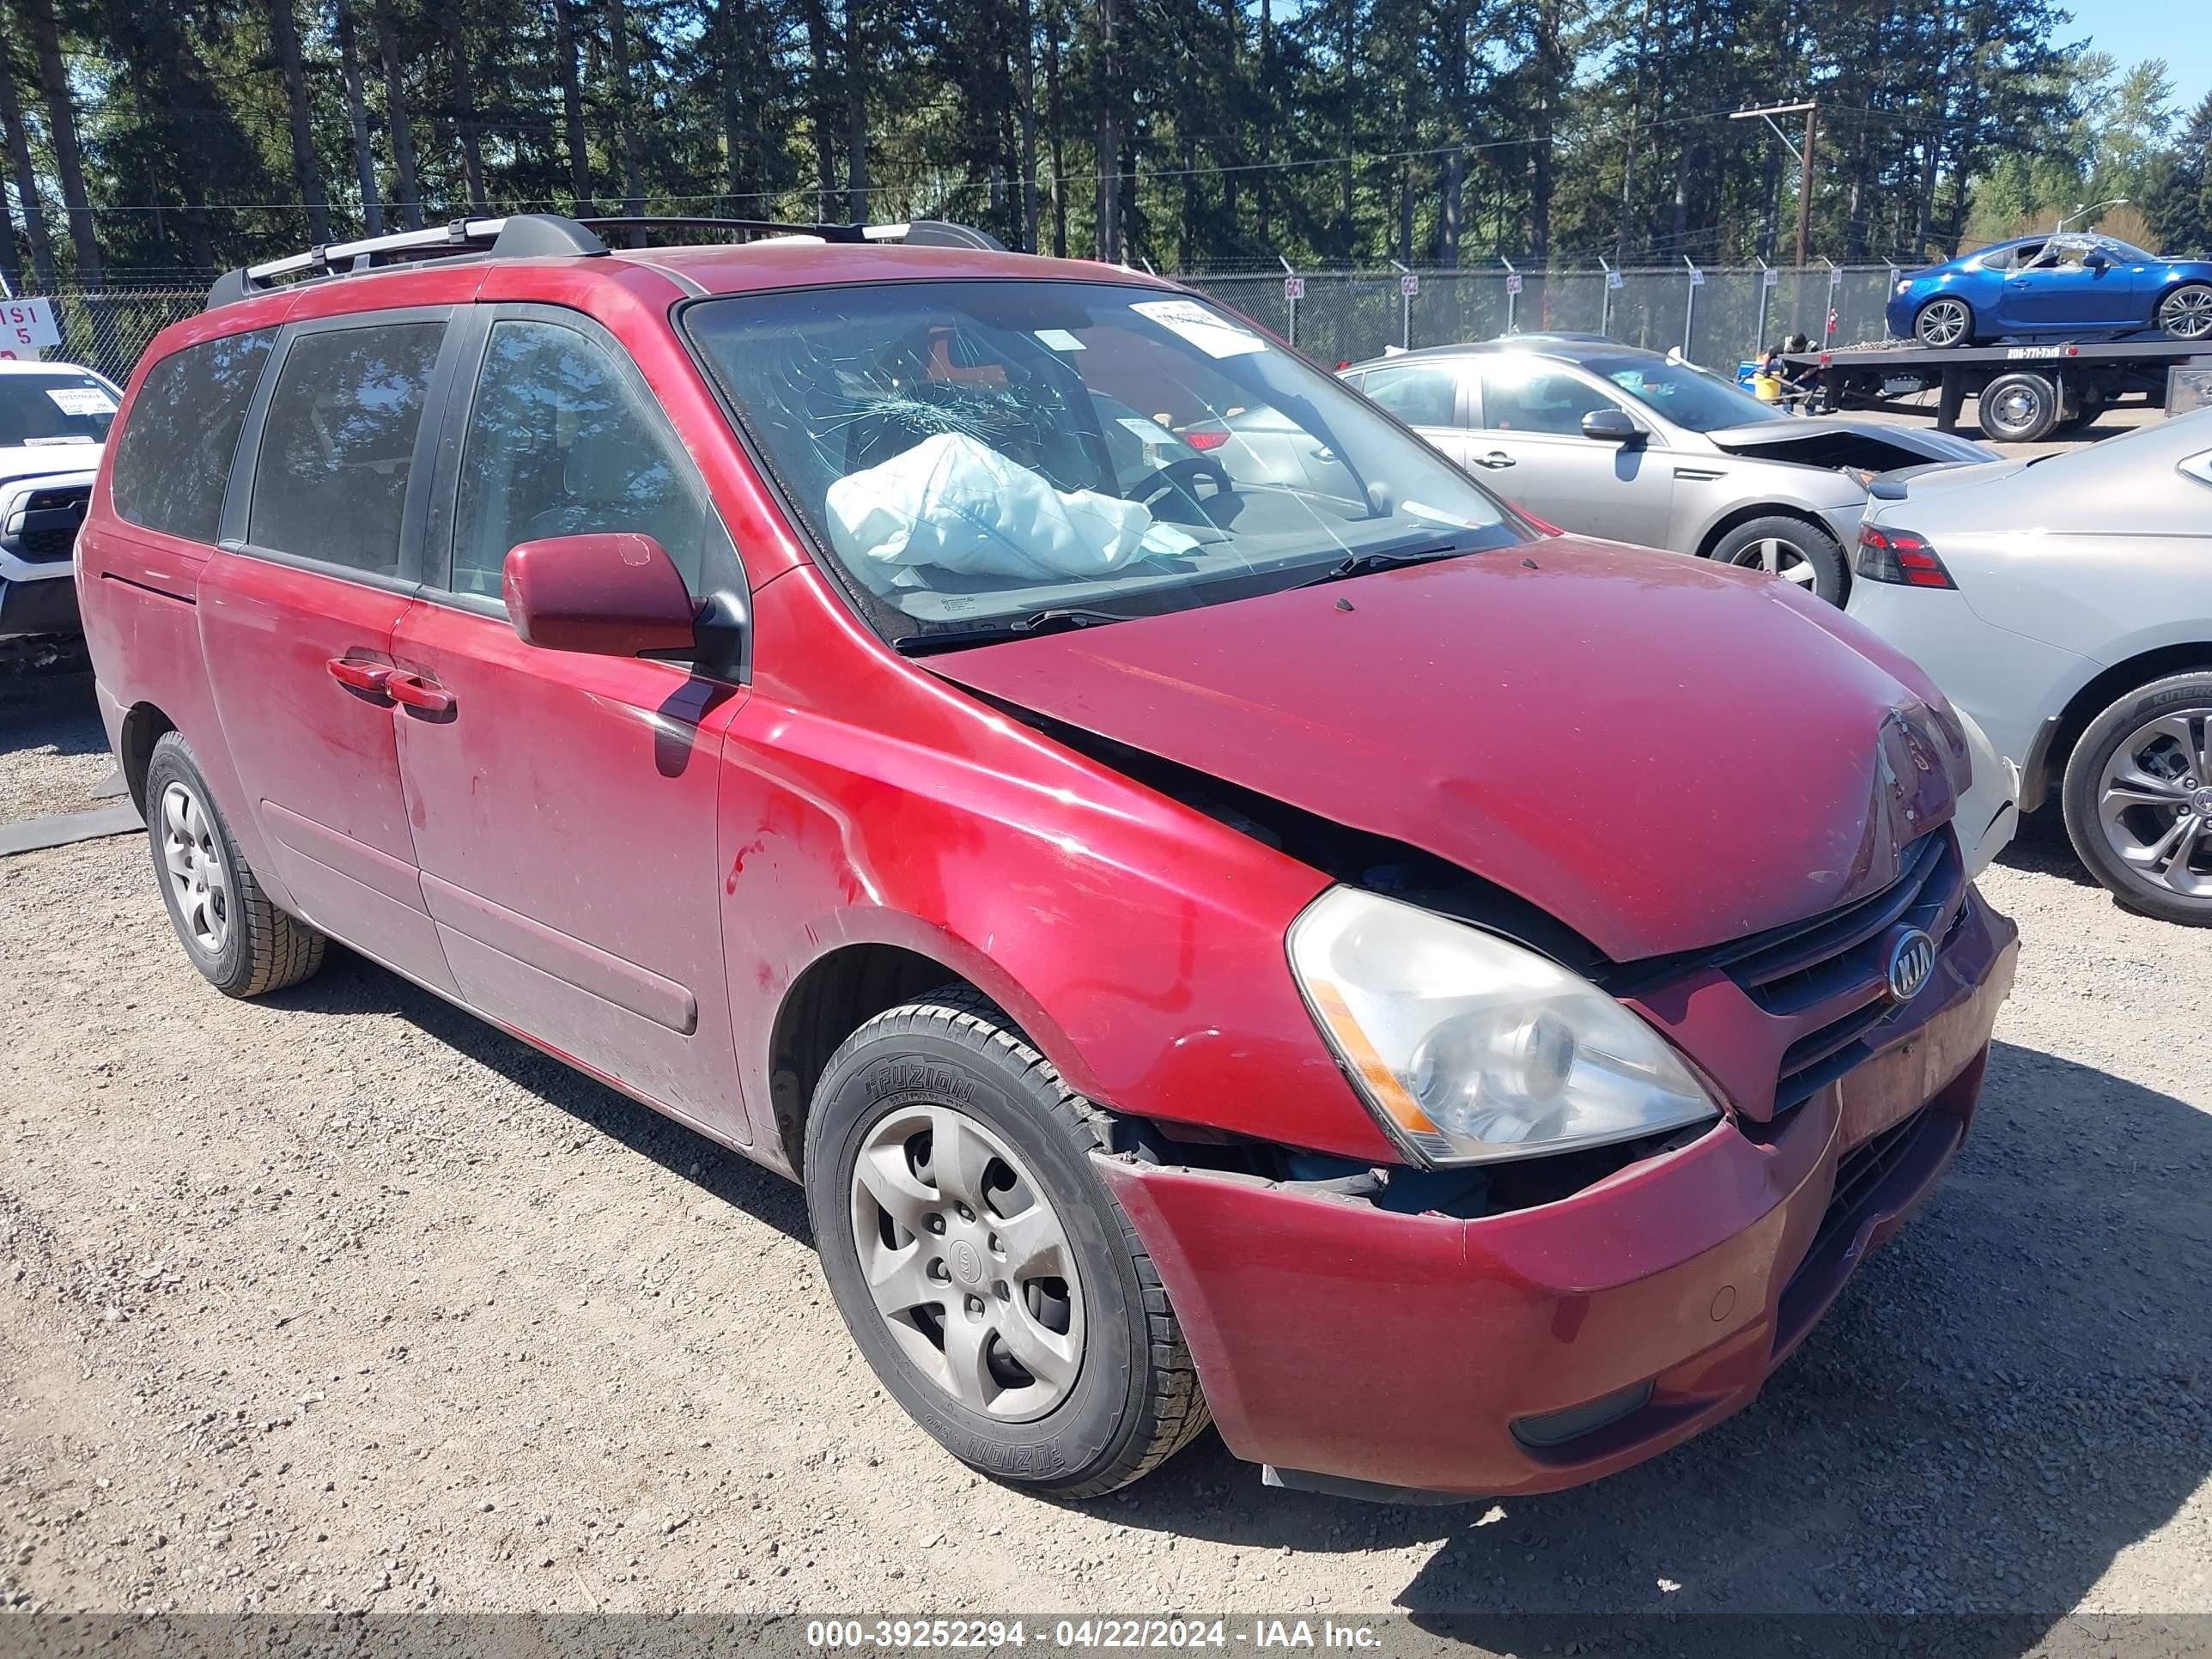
[1470,1049]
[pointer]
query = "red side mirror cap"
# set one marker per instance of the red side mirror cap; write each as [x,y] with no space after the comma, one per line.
[612,593]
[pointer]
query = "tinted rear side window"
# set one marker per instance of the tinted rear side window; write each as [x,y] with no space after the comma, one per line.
[173,462]
[338,443]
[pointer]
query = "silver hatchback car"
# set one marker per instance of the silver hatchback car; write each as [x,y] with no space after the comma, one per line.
[1611,441]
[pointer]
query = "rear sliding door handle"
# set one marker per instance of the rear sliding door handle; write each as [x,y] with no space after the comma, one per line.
[413,691]
[371,679]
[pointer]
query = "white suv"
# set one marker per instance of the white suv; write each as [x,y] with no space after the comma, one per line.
[54,426]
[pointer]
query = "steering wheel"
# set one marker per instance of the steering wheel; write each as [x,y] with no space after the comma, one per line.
[1182,475]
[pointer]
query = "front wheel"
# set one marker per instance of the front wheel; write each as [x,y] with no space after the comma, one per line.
[989,1279]
[2187,314]
[2138,799]
[1944,322]
[1797,552]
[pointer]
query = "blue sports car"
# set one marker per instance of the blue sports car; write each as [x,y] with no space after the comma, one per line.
[2065,284]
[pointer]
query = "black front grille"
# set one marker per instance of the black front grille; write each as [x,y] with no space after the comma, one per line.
[50,521]
[1796,968]
[1860,1174]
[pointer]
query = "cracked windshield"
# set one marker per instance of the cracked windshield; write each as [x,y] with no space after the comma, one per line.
[981,457]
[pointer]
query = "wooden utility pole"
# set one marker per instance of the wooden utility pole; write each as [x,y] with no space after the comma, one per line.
[1805,163]
[1805,159]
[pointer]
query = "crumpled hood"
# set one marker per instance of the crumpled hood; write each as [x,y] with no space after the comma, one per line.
[1662,753]
[1824,441]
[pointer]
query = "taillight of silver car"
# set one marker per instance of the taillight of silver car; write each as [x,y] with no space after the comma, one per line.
[1891,555]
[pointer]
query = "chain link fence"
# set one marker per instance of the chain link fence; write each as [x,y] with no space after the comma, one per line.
[1715,317]
[1724,315]
[109,331]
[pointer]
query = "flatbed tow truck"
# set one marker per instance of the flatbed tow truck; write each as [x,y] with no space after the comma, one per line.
[2026,392]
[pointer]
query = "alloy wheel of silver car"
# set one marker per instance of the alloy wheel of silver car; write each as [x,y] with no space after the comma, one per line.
[1944,323]
[2155,801]
[195,867]
[968,1263]
[1779,558]
[2187,313]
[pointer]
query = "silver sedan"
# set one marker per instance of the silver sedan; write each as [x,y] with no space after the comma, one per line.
[2066,604]
[1610,440]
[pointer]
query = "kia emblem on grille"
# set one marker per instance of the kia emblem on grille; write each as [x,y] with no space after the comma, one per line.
[1912,959]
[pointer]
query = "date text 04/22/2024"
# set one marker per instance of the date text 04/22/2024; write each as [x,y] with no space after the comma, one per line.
[988,1635]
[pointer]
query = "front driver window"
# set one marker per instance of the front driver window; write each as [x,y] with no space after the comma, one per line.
[562,441]
[1532,396]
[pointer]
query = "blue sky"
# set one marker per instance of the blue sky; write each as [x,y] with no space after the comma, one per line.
[2132,30]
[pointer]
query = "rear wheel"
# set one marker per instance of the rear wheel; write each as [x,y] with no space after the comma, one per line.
[2138,798]
[990,1279]
[1797,552]
[2019,409]
[1944,321]
[240,942]
[2187,314]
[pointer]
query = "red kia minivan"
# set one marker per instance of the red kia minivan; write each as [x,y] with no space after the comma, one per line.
[1237,926]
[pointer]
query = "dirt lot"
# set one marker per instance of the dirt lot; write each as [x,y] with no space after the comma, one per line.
[343,1300]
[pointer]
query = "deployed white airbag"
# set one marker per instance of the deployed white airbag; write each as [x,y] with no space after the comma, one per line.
[960,505]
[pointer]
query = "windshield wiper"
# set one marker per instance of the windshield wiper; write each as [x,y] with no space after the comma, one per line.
[1055,620]
[1366,564]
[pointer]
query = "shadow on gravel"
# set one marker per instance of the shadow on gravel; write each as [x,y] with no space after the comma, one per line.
[2041,848]
[50,708]
[2009,1395]
[349,985]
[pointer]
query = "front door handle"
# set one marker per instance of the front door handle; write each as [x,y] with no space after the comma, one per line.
[1495,458]
[414,691]
[371,679]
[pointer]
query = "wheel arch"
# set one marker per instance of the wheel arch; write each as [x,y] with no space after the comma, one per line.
[1974,316]
[853,982]
[2098,693]
[145,724]
[1736,517]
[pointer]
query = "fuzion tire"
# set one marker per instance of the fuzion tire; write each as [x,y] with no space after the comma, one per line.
[1944,321]
[2138,799]
[987,1276]
[2187,314]
[240,942]
[2019,409]
[1796,551]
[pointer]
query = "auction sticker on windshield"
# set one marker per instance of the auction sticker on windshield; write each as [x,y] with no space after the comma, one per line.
[1211,332]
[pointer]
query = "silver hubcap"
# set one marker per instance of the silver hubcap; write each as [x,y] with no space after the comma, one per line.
[967,1262]
[1943,323]
[2188,314]
[1780,558]
[2155,802]
[196,872]
[2016,409]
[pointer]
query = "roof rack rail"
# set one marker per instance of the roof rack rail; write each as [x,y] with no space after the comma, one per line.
[536,235]
[915,233]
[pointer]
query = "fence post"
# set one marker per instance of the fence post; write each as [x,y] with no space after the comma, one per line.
[1512,291]
[1408,285]
[1835,282]
[1758,342]
[1690,309]
[1291,288]
[1605,304]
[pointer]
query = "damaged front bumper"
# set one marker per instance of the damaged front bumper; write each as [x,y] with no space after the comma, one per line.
[1361,1351]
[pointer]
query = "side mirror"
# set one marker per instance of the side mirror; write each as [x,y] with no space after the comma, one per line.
[611,593]
[1612,426]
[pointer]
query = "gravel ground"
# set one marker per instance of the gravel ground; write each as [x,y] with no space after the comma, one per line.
[342,1300]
